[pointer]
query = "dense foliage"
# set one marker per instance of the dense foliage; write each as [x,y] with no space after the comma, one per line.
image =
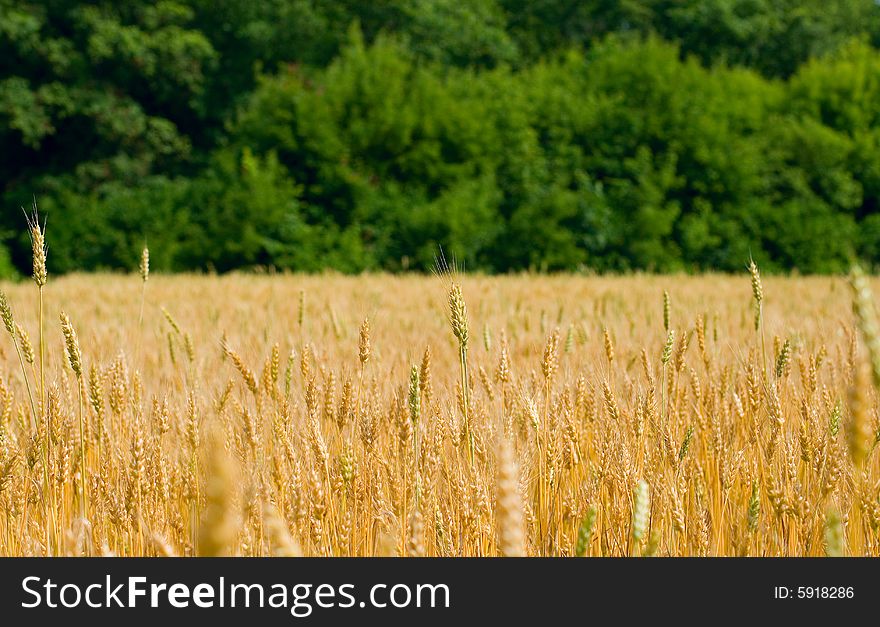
[549,134]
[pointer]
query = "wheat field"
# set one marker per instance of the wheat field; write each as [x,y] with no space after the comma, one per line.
[438,416]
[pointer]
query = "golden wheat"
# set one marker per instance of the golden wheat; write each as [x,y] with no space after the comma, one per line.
[382,433]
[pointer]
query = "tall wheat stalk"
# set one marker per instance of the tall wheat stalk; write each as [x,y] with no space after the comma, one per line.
[758,296]
[74,358]
[41,277]
[458,317]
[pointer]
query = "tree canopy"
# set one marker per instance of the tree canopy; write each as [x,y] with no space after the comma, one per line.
[657,135]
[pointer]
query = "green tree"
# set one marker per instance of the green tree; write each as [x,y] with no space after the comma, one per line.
[95,94]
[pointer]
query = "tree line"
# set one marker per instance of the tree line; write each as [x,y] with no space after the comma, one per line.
[660,135]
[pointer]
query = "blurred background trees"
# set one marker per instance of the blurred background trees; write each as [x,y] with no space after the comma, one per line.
[544,134]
